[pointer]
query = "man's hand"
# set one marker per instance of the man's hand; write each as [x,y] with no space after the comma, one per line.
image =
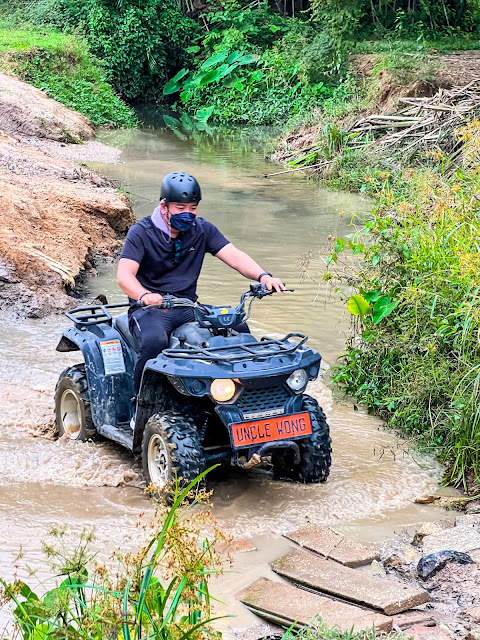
[152,298]
[272,283]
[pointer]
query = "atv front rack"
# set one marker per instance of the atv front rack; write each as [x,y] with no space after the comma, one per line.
[266,348]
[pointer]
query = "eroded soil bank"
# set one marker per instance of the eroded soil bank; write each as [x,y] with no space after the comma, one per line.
[57,216]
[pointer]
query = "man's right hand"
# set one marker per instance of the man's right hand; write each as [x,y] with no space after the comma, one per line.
[152,298]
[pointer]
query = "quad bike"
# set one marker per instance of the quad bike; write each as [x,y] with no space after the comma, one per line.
[214,395]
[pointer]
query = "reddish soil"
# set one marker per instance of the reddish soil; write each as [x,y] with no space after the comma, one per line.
[56,216]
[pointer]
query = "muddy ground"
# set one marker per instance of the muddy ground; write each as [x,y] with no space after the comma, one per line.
[57,217]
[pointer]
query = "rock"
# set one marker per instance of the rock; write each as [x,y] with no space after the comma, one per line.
[420,632]
[473,507]
[474,613]
[314,572]
[240,545]
[396,554]
[427,529]
[471,520]
[426,499]
[463,539]
[329,543]
[415,617]
[285,604]
[431,564]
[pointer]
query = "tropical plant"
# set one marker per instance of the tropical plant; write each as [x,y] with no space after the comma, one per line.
[160,593]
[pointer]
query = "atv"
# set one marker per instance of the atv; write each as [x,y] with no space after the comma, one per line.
[214,395]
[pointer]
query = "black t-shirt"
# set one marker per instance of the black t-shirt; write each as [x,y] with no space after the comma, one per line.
[171,265]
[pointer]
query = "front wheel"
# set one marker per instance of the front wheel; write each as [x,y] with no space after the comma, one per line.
[171,449]
[315,452]
[72,405]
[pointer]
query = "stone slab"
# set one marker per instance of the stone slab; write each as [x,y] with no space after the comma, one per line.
[420,632]
[329,543]
[286,604]
[314,572]
[410,618]
[460,538]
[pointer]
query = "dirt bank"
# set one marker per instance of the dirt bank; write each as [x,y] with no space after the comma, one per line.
[386,89]
[57,217]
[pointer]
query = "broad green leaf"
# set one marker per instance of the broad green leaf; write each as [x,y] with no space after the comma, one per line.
[339,245]
[211,76]
[187,122]
[247,59]
[171,122]
[203,115]
[373,296]
[175,83]
[234,56]
[257,75]
[358,306]
[383,307]
[194,49]
[230,81]
[274,28]
[239,86]
[214,60]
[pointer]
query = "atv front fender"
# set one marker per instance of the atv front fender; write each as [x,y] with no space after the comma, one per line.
[110,393]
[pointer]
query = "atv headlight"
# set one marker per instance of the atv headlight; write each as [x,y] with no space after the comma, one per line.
[297,380]
[222,389]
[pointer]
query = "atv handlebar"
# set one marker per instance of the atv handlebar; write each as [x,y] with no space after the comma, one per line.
[209,316]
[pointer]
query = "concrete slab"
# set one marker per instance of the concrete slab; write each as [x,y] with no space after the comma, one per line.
[329,543]
[326,576]
[419,632]
[460,538]
[284,604]
[410,618]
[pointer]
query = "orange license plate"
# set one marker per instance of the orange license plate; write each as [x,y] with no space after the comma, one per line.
[246,434]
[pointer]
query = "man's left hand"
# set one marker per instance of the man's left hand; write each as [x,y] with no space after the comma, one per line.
[273,283]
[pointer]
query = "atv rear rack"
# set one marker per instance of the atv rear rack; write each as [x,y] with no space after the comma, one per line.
[94,314]
[248,350]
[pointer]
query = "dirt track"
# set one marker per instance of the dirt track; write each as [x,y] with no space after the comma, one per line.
[57,217]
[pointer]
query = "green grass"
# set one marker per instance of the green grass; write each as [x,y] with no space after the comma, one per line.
[64,68]
[318,631]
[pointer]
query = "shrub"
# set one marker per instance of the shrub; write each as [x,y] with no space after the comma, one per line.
[415,349]
[64,67]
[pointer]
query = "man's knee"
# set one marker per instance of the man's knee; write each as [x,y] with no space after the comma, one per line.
[152,345]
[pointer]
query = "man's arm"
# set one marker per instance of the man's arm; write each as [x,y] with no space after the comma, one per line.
[244,264]
[128,283]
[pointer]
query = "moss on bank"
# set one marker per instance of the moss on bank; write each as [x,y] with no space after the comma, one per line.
[64,68]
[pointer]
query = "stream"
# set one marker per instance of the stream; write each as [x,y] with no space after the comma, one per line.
[283,222]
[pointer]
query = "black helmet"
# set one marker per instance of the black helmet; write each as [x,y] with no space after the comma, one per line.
[180,187]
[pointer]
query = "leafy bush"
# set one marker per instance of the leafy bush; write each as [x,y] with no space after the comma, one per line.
[142,42]
[161,593]
[415,351]
[64,67]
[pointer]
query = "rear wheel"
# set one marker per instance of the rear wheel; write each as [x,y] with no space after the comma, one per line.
[316,452]
[72,405]
[171,448]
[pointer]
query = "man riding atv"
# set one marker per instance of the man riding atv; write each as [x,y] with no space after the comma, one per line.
[164,253]
[206,390]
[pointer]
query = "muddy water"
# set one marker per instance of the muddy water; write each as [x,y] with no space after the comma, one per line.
[279,221]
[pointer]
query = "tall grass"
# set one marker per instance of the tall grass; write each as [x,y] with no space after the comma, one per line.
[161,593]
[414,356]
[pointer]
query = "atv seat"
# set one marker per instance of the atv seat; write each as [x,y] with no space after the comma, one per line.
[121,325]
